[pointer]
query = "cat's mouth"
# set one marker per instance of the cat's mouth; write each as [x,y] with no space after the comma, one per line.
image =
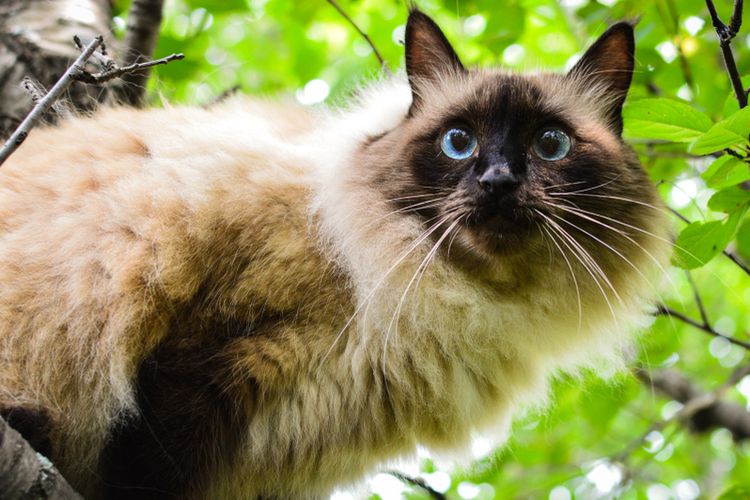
[503,228]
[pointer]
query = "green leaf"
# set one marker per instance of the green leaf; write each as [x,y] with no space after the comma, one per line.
[700,242]
[726,171]
[664,119]
[729,200]
[728,133]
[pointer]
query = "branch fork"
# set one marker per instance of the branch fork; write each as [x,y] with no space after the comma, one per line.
[76,72]
[111,70]
[726,33]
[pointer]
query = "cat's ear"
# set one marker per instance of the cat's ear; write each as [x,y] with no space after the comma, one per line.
[429,55]
[609,63]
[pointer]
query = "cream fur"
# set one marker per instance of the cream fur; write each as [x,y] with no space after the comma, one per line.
[109,225]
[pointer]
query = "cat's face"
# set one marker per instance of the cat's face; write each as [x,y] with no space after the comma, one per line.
[508,162]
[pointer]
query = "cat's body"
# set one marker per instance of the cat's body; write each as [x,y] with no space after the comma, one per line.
[232,302]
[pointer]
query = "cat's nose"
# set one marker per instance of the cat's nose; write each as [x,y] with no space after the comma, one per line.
[498,180]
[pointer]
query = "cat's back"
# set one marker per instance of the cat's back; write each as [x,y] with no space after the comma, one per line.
[121,150]
[112,226]
[127,184]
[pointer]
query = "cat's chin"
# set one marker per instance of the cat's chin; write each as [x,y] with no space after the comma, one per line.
[494,244]
[503,234]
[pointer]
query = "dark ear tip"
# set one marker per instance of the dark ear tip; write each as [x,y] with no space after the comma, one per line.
[623,28]
[416,15]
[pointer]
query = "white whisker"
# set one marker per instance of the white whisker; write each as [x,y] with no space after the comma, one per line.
[592,187]
[585,259]
[592,216]
[365,301]
[572,275]
[611,197]
[417,273]
[605,244]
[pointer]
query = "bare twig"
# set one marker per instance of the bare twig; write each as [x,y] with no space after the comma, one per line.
[45,103]
[116,71]
[144,20]
[419,482]
[726,33]
[739,262]
[223,96]
[364,35]
[76,72]
[663,310]
[112,70]
[101,55]
[37,91]
[34,89]
[698,300]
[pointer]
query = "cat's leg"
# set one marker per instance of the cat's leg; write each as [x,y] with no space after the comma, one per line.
[189,424]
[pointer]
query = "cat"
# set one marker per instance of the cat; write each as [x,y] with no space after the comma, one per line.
[262,300]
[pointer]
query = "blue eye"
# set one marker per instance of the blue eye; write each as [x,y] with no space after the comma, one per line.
[551,144]
[458,143]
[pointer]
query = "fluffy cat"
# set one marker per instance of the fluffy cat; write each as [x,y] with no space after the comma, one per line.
[265,301]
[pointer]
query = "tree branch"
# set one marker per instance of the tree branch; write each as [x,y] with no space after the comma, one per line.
[726,33]
[116,72]
[692,406]
[76,72]
[375,51]
[731,416]
[144,21]
[46,102]
[418,482]
[27,474]
[663,310]
[698,301]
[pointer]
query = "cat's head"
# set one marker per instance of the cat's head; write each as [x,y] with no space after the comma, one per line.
[512,162]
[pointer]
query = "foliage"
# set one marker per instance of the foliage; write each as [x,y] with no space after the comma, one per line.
[683,120]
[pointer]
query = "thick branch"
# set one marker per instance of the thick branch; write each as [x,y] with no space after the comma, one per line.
[692,406]
[726,33]
[27,474]
[144,21]
[731,416]
[46,102]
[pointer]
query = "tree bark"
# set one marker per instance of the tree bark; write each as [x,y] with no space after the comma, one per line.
[36,41]
[144,21]
[26,474]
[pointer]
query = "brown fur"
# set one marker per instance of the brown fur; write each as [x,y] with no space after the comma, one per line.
[234,302]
